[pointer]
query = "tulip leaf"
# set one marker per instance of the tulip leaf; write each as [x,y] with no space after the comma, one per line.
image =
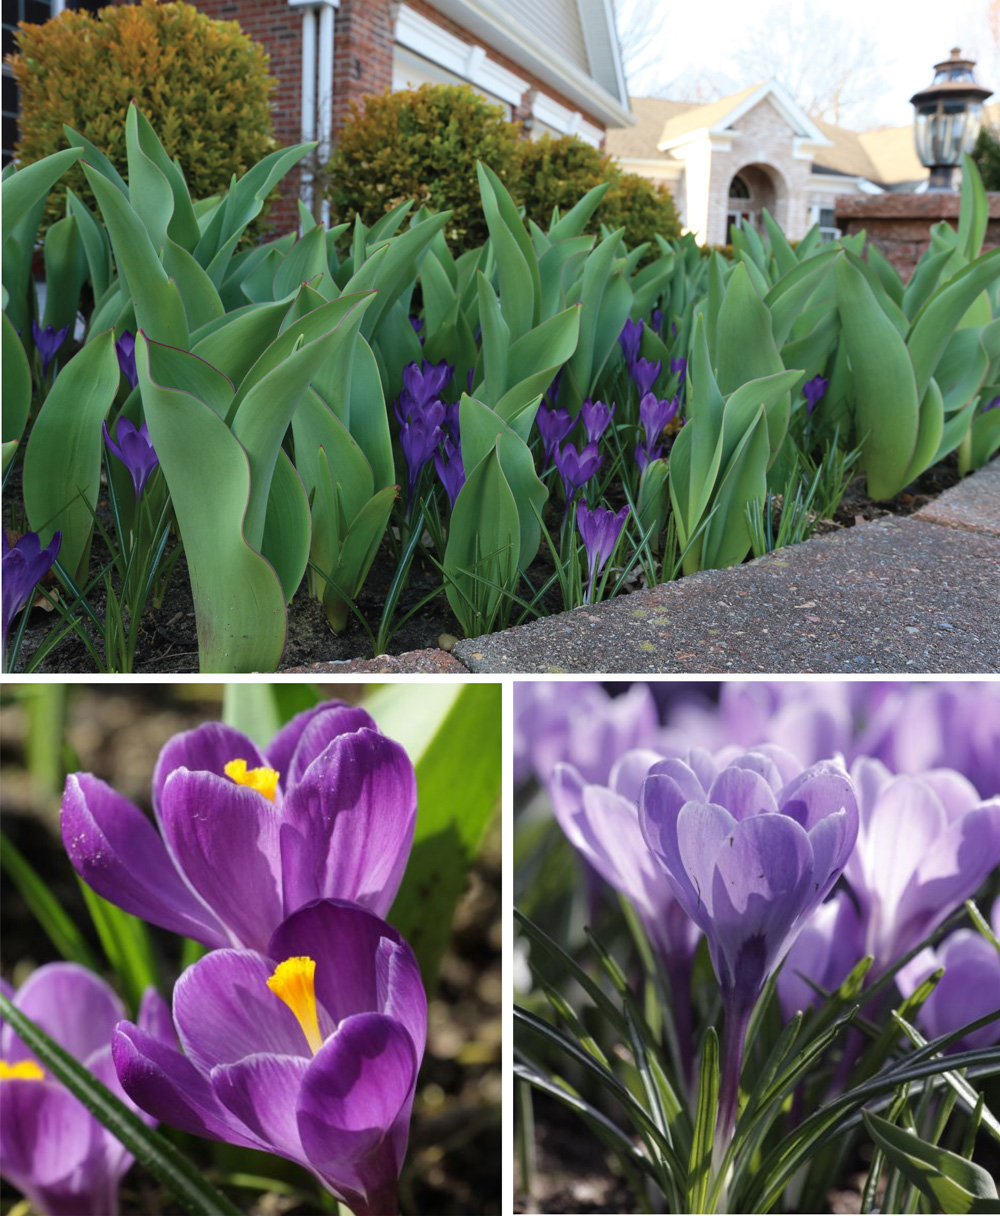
[532,362]
[159,309]
[65,273]
[16,384]
[452,733]
[234,345]
[517,265]
[887,393]
[97,247]
[238,598]
[183,1179]
[950,1182]
[261,710]
[67,436]
[285,541]
[27,187]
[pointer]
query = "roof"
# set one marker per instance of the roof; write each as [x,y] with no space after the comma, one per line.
[570,45]
[709,115]
[641,141]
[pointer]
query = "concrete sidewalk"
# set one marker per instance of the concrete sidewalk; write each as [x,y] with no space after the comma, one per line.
[910,595]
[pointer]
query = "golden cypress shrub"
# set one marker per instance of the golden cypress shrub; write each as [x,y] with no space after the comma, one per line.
[203,85]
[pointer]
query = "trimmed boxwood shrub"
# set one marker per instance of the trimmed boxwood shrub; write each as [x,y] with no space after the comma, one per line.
[422,144]
[558,172]
[203,84]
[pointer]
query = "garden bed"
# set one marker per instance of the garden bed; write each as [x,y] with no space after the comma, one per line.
[168,642]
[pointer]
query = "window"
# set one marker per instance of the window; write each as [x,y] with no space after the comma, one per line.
[825,217]
[738,188]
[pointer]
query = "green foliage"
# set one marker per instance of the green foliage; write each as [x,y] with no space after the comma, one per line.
[203,84]
[986,154]
[422,144]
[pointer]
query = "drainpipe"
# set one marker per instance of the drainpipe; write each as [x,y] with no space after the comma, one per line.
[317,90]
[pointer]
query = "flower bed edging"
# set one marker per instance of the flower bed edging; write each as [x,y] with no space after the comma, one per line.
[912,595]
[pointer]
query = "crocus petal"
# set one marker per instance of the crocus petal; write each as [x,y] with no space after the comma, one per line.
[47,1137]
[224,839]
[758,895]
[743,792]
[166,1084]
[117,851]
[309,734]
[207,748]
[355,1106]
[909,823]
[224,1011]
[349,936]
[348,824]
[262,1091]
[72,1005]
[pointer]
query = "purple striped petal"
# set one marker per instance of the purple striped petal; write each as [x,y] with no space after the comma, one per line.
[206,749]
[224,839]
[348,824]
[117,851]
[309,734]
[262,1091]
[72,1005]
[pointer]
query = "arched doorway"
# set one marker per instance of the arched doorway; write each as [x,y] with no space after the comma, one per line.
[751,189]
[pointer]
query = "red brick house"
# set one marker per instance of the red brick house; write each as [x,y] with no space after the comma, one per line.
[328,53]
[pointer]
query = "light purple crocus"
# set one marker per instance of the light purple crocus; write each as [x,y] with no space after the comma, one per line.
[597,418]
[24,566]
[750,850]
[134,450]
[309,1049]
[601,821]
[600,529]
[47,342]
[827,948]
[125,349]
[51,1147]
[655,414]
[813,390]
[424,384]
[926,842]
[968,990]
[678,367]
[245,837]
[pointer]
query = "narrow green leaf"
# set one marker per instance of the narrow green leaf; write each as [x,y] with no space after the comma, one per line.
[184,1181]
[23,189]
[126,943]
[703,1142]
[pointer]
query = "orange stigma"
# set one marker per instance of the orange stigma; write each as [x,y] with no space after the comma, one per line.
[263,780]
[293,982]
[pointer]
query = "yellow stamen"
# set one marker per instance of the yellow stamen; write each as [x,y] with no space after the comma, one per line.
[263,780]
[294,983]
[23,1070]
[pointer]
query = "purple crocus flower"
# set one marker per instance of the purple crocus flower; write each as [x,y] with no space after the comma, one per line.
[51,1147]
[644,374]
[813,390]
[596,418]
[630,339]
[968,990]
[134,450]
[24,566]
[656,319]
[418,324]
[600,530]
[309,1049]
[424,384]
[826,949]
[246,837]
[576,468]
[679,366]
[925,844]
[419,438]
[450,469]
[47,342]
[553,426]
[125,349]
[654,415]
[601,821]
[991,405]
[750,851]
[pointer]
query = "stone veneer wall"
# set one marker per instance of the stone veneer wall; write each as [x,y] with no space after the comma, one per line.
[900,224]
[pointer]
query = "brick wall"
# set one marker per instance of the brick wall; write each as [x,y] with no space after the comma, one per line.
[900,224]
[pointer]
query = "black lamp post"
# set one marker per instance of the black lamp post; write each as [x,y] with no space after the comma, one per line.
[948,117]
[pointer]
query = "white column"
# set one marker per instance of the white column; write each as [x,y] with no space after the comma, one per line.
[324,72]
[308,93]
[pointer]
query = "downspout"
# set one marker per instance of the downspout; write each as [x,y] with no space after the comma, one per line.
[317,92]
[325,93]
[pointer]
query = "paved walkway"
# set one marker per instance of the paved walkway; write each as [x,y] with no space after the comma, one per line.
[911,595]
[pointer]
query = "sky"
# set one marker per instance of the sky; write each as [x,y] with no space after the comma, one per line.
[700,37]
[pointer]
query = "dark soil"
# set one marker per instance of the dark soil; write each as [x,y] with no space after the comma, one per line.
[168,639]
[454,1156]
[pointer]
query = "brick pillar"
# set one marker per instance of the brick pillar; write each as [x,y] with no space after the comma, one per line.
[900,224]
[362,54]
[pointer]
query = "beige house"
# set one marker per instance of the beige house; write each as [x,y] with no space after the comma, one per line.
[726,161]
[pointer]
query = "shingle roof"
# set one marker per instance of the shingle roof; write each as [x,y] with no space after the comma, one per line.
[698,116]
[640,142]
